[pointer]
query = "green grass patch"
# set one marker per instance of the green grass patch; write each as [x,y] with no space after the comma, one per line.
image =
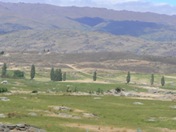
[109,111]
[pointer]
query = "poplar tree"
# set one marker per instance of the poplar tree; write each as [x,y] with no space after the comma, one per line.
[32,71]
[4,70]
[162,81]
[56,75]
[94,76]
[64,76]
[60,75]
[52,74]
[128,78]
[152,79]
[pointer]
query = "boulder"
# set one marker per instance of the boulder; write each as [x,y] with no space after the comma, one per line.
[2,116]
[4,82]
[4,99]
[19,128]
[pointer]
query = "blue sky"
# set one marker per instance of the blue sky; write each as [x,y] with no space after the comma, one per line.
[171,2]
[157,6]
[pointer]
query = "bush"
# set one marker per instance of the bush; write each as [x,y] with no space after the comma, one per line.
[68,90]
[34,91]
[3,90]
[119,89]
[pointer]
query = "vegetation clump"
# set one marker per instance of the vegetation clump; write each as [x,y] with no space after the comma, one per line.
[3,90]
[34,91]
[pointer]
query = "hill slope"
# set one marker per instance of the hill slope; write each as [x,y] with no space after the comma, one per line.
[73,29]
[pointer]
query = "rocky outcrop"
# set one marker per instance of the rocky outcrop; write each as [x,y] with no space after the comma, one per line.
[19,128]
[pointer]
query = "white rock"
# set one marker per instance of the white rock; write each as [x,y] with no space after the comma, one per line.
[138,103]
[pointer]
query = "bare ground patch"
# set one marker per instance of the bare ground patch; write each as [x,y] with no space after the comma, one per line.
[167,130]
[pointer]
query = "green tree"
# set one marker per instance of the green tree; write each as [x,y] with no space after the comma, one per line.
[128,78]
[162,81]
[64,76]
[56,75]
[4,70]
[152,79]
[94,76]
[32,71]
[60,75]
[52,74]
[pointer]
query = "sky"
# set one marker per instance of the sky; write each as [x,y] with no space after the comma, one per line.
[157,6]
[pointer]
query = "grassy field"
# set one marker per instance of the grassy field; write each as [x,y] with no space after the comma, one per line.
[88,112]
[110,111]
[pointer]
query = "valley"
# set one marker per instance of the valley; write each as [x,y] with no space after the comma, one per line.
[85,69]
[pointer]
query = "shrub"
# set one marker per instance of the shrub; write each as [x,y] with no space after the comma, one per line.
[34,91]
[68,90]
[3,90]
[119,89]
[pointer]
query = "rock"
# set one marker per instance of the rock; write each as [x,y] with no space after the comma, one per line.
[88,115]
[65,115]
[173,107]
[126,94]
[169,92]
[152,119]
[11,127]
[97,98]
[154,91]
[113,91]
[4,82]
[32,114]
[19,128]
[61,108]
[138,103]
[2,116]
[4,99]
[33,129]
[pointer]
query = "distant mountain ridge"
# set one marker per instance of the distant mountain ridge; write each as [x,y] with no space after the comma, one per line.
[25,26]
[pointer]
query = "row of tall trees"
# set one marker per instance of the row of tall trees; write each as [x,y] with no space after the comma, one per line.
[17,73]
[57,75]
[152,79]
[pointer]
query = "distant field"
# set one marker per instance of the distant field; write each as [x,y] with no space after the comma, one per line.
[105,61]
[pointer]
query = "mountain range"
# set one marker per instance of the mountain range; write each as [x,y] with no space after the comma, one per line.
[28,27]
